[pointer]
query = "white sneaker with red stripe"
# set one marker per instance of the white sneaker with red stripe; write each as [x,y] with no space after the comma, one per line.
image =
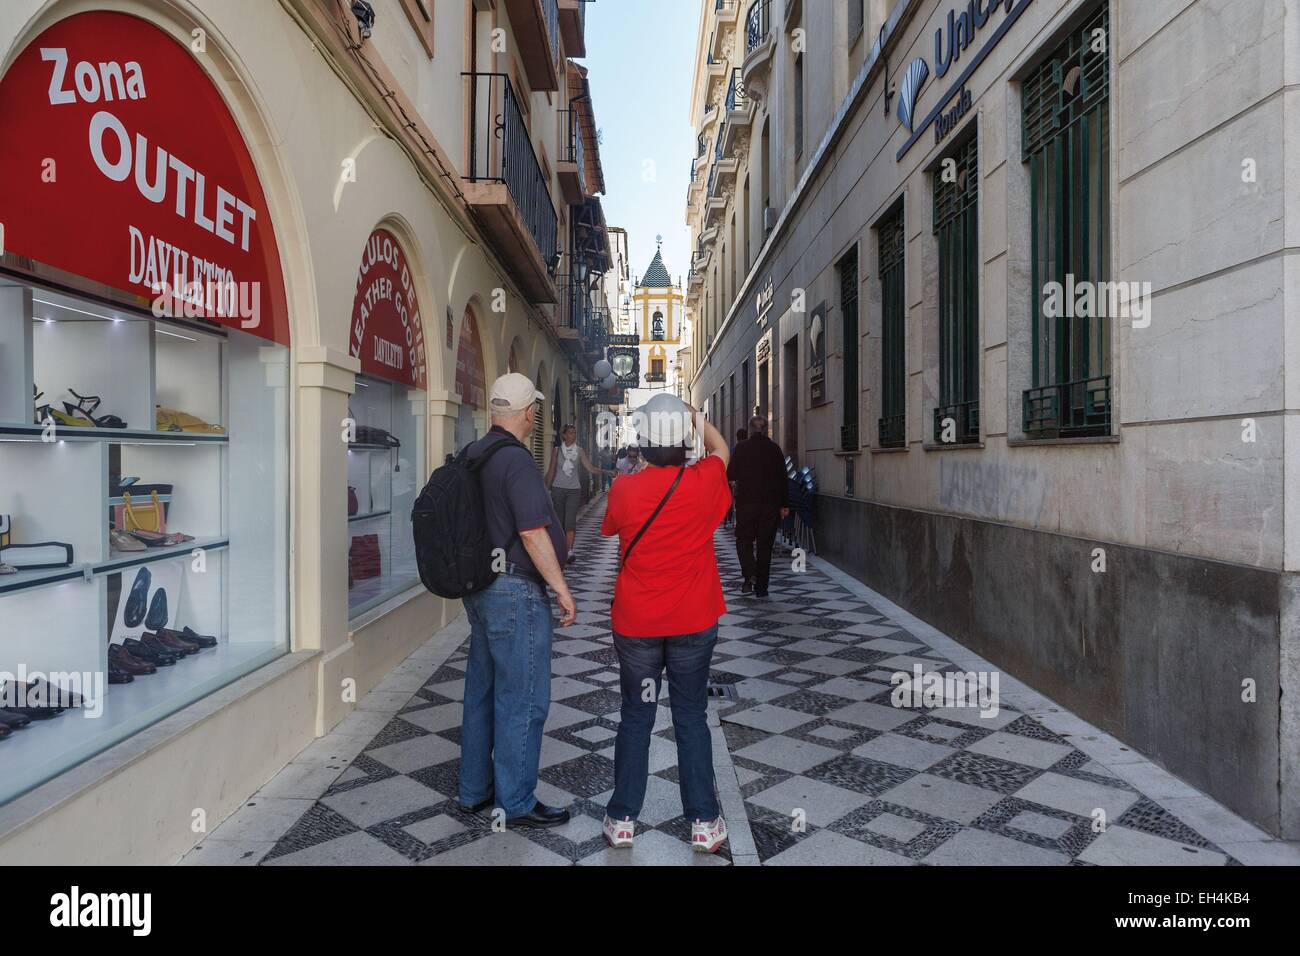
[707,836]
[619,833]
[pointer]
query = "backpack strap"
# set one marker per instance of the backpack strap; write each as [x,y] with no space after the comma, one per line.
[476,465]
[654,514]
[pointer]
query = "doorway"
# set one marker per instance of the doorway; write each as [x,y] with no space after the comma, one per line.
[790,397]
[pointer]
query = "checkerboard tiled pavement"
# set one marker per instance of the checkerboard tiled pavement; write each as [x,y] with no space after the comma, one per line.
[815,764]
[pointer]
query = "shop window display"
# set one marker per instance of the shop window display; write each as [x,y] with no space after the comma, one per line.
[386,453]
[386,469]
[143,482]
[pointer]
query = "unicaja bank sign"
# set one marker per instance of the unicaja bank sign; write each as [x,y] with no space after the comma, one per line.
[977,25]
[122,165]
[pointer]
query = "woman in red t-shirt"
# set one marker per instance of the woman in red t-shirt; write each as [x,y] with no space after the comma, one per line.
[667,601]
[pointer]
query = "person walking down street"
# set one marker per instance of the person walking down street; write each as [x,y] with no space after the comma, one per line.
[508,672]
[762,500]
[631,463]
[565,482]
[667,602]
[730,521]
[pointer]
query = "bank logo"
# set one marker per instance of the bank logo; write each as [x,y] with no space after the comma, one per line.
[908,91]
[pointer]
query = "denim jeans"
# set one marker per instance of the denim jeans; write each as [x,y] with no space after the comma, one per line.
[507,692]
[686,658]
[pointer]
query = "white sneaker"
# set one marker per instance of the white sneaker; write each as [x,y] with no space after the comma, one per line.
[619,833]
[708,836]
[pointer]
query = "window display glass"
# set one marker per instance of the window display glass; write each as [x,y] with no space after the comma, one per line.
[386,469]
[143,484]
[386,454]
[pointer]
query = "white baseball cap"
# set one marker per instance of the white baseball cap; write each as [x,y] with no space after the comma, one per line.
[664,422]
[513,392]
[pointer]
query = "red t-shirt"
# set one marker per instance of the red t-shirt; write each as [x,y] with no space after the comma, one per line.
[671,585]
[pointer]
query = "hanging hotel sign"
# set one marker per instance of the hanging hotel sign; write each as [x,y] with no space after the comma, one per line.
[951,41]
[387,334]
[123,165]
[763,301]
[633,340]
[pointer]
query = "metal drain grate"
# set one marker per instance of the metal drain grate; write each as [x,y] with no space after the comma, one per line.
[723,690]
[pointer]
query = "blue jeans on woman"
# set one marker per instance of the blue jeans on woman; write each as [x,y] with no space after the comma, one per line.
[507,692]
[686,658]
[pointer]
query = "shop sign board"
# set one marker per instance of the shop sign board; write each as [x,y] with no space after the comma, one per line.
[962,27]
[387,333]
[122,165]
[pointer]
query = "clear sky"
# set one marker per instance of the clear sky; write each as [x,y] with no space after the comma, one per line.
[641,55]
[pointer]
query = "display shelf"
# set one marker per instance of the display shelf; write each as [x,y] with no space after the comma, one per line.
[368,516]
[27,580]
[20,432]
[117,561]
[120,560]
[362,446]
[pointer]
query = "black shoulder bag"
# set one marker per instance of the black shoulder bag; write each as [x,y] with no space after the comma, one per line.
[622,561]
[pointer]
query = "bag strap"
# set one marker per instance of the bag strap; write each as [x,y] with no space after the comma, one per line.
[476,464]
[654,514]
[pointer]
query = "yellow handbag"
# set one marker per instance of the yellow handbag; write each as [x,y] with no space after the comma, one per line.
[149,517]
[173,420]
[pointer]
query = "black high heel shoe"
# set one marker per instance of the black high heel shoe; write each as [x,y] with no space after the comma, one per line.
[86,407]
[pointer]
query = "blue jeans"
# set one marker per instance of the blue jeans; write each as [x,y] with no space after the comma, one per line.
[686,657]
[507,692]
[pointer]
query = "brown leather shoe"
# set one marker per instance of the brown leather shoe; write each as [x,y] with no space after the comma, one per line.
[121,658]
[170,641]
[160,644]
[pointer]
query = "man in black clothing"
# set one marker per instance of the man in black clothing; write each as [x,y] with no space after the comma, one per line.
[762,500]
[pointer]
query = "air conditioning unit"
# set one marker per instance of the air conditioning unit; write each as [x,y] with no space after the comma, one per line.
[769,219]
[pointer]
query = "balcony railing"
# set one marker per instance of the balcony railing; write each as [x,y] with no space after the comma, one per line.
[500,151]
[551,10]
[893,431]
[1069,409]
[758,25]
[701,144]
[722,6]
[965,417]
[737,99]
[717,146]
[849,437]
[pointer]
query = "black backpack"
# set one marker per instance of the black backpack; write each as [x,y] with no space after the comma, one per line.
[449,524]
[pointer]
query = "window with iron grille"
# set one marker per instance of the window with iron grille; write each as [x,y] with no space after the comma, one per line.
[848,270]
[893,314]
[956,226]
[1066,133]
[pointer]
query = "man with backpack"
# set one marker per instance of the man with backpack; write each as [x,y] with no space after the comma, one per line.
[508,673]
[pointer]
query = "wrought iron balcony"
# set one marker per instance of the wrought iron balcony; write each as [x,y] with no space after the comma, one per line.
[849,437]
[758,25]
[1068,410]
[537,32]
[571,167]
[736,96]
[505,186]
[573,26]
[701,144]
[893,431]
[965,417]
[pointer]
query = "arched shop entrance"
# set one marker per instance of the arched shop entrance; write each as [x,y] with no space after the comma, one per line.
[471,383]
[143,390]
[386,459]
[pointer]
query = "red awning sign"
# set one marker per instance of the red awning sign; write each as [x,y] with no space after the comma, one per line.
[123,165]
[387,332]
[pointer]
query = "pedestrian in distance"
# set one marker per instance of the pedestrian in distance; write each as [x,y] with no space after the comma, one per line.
[667,602]
[508,672]
[762,501]
[631,462]
[565,481]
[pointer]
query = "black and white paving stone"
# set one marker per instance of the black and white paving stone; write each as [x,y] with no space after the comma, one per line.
[816,765]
